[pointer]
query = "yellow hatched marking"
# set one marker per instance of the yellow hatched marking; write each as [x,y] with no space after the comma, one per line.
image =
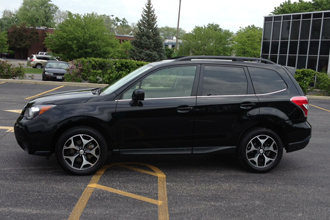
[162,193]
[127,194]
[15,111]
[9,129]
[44,92]
[320,108]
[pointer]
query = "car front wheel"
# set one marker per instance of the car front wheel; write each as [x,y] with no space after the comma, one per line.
[260,150]
[81,150]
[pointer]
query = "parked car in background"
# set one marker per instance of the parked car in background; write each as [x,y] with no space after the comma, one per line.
[250,107]
[39,61]
[55,70]
[43,53]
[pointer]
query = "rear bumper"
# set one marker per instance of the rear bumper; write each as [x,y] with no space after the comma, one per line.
[298,145]
[298,136]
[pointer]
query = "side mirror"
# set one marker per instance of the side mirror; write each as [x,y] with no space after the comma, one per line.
[137,96]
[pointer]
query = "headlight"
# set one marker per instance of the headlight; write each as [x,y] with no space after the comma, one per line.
[49,73]
[34,111]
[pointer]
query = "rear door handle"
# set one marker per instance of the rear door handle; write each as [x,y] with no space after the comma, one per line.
[248,105]
[185,109]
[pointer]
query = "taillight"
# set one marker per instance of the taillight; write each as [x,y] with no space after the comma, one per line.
[302,102]
[32,60]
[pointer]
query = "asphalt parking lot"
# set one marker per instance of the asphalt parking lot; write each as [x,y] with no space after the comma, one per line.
[161,187]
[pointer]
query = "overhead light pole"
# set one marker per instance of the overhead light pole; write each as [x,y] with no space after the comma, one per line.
[177,30]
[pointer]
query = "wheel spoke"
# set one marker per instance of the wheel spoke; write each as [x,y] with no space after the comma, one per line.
[72,145]
[71,158]
[268,160]
[271,148]
[92,151]
[252,148]
[85,162]
[84,141]
[255,159]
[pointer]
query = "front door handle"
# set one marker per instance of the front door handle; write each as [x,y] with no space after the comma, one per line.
[185,109]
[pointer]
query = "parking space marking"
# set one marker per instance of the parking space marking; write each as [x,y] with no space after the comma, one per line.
[9,129]
[127,194]
[320,108]
[14,111]
[162,194]
[2,82]
[44,92]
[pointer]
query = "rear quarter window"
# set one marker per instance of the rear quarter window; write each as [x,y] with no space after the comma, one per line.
[266,81]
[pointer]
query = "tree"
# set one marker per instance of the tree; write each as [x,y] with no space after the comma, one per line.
[207,40]
[148,45]
[247,41]
[170,32]
[8,19]
[22,37]
[82,36]
[60,16]
[37,13]
[3,42]
[288,7]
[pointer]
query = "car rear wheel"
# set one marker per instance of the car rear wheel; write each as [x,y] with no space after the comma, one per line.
[260,150]
[81,150]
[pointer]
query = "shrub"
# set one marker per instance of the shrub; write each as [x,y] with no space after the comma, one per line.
[98,70]
[323,82]
[7,71]
[304,78]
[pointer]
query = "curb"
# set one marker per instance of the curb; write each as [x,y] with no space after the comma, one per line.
[95,85]
[73,84]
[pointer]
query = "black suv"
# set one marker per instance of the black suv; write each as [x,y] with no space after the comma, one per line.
[250,107]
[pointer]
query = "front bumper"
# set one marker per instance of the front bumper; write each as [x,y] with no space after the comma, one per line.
[36,143]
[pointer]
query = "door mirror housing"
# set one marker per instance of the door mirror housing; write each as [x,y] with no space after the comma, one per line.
[137,97]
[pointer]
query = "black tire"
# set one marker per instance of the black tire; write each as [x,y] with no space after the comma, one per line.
[39,66]
[88,153]
[260,150]
[44,77]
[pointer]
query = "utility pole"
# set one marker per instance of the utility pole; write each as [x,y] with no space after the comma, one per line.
[177,30]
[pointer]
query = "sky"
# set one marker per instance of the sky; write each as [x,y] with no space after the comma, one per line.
[229,14]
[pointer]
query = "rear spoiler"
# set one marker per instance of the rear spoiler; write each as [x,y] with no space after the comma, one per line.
[291,69]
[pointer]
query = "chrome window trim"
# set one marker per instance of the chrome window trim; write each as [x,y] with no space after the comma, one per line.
[181,97]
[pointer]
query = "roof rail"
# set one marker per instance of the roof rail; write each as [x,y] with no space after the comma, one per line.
[237,59]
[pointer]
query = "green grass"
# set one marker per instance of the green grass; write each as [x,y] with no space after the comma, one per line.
[33,70]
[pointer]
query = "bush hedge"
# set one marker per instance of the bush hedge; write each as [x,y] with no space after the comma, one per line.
[98,70]
[306,79]
[7,71]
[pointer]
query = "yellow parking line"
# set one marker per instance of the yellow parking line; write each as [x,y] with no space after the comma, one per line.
[2,82]
[44,92]
[81,204]
[9,129]
[127,194]
[162,193]
[139,170]
[320,108]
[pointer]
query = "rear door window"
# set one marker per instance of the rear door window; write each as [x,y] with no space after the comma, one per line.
[266,81]
[224,80]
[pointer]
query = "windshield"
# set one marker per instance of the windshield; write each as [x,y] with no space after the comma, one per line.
[111,88]
[57,65]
